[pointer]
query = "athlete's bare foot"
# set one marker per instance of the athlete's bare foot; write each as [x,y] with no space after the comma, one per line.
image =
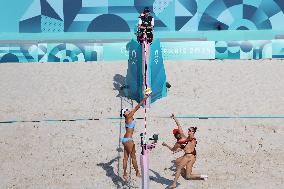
[125,177]
[204,177]
[173,186]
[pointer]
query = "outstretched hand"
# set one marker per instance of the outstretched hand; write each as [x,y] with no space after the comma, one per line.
[172,116]
[164,144]
[146,96]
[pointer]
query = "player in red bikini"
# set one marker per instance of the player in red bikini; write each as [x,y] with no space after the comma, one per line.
[187,144]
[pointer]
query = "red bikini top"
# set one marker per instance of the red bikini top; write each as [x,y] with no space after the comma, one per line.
[184,142]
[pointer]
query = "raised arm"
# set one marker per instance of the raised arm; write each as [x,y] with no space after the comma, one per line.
[178,125]
[137,106]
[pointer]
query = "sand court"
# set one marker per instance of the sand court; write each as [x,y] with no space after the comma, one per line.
[246,153]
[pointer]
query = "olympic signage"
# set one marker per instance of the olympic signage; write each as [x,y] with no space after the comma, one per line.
[190,50]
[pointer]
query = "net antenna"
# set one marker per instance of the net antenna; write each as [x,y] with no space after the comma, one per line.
[145,145]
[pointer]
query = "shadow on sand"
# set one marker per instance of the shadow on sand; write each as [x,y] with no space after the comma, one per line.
[116,179]
[119,84]
[159,179]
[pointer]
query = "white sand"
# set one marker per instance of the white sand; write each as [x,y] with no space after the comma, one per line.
[235,153]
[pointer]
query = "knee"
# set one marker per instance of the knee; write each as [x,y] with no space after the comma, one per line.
[190,176]
[188,173]
[125,158]
[133,155]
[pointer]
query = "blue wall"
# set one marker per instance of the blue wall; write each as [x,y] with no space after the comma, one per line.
[86,52]
[65,20]
[171,15]
[11,14]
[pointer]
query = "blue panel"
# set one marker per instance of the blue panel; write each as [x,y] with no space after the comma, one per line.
[254,3]
[166,17]
[278,49]
[115,51]
[9,58]
[159,23]
[275,20]
[79,26]
[237,12]
[221,50]
[95,3]
[181,21]
[243,24]
[102,24]
[209,23]
[215,9]
[121,3]
[190,5]
[249,11]
[30,52]
[122,9]
[264,47]
[259,16]
[226,17]
[134,79]
[188,50]
[168,14]
[33,10]
[230,3]
[246,46]
[264,25]
[140,5]
[180,10]
[280,3]
[85,17]
[47,10]
[158,75]
[49,24]
[57,5]
[32,25]
[270,8]
[93,57]
[234,55]
[94,10]
[234,50]
[70,11]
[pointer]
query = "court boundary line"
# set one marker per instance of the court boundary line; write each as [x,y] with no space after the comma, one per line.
[160,117]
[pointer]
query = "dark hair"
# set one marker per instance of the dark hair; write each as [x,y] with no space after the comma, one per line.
[194,129]
[176,134]
[121,113]
[146,10]
[124,112]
